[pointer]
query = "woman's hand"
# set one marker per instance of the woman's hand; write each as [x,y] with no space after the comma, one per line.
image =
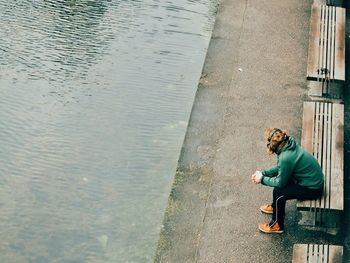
[256,177]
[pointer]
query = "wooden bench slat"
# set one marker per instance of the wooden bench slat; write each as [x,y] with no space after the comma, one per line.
[335,254]
[339,70]
[318,132]
[325,150]
[337,198]
[326,253]
[299,253]
[308,126]
[324,40]
[322,43]
[327,158]
[314,36]
[312,253]
[331,61]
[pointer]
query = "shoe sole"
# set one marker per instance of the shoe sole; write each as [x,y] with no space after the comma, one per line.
[266,212]
[272,232]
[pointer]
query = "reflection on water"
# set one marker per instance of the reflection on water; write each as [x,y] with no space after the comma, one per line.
[95,99]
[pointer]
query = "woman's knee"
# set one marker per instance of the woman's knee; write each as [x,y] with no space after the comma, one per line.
[277,191]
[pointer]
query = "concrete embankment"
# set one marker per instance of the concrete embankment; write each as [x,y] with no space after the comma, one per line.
[253,78]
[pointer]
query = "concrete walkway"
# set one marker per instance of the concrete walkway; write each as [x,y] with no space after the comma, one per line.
[253,78]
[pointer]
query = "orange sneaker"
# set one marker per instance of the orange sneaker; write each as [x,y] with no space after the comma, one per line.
[267,209]
[275,229]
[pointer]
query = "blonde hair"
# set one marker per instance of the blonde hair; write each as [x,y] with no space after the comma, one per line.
[275,139]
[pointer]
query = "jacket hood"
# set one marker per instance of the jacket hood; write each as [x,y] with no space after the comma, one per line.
[290,146]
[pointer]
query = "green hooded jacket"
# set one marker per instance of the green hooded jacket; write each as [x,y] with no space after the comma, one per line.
[296,164]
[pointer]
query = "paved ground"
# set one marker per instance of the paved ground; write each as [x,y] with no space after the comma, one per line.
[253,78]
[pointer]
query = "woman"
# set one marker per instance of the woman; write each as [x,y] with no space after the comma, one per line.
[297,175]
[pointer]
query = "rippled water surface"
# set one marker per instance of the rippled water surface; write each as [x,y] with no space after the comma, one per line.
[95,100]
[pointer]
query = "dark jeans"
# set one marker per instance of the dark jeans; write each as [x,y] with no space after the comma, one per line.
[290,191]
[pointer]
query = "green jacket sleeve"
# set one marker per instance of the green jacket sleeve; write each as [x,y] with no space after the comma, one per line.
[285,170]
[273,171]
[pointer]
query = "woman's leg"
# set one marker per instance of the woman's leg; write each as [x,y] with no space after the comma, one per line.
[291,191]
[278,206]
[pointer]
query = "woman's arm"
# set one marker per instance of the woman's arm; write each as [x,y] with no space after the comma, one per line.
[271,172]
[284,172]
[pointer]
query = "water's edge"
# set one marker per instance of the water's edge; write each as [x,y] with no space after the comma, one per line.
[164,231]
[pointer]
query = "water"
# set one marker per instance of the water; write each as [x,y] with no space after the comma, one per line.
[95,100]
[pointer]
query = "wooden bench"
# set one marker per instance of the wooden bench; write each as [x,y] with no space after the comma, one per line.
[323,136]
[326,55]
[309,253]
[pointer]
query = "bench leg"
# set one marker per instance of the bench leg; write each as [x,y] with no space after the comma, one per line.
[316,217]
